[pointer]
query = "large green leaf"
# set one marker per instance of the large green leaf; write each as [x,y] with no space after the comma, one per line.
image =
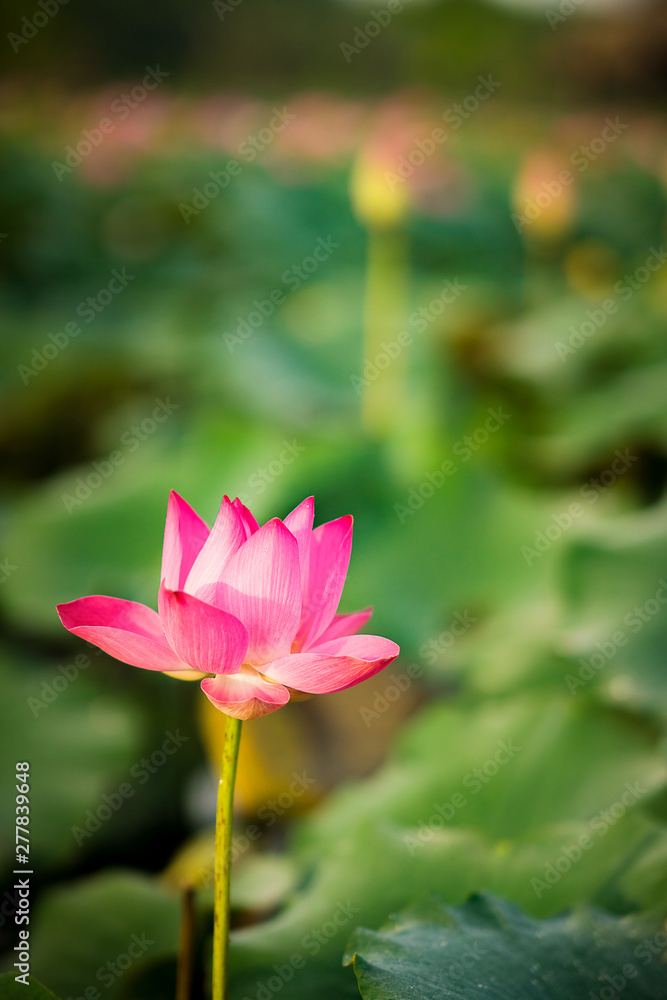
[602,625]
[10,989]
[473,521]
[643,878]
[79,742]
[97,931]
[558,759]
[426,822]
[488,948]
[628,407]
[616,594]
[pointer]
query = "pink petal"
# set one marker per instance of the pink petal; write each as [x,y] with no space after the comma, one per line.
[345,625]
[245,695]
[261,586]
[184,536]
[129,631]
[300,523]
[205,637]
[249,521]
[227,535]
[330,549]
[334,665]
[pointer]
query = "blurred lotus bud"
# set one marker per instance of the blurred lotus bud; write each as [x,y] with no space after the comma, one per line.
[377,203]
[543,197]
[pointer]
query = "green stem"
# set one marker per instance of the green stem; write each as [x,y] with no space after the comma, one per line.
[223,864]
[385,309]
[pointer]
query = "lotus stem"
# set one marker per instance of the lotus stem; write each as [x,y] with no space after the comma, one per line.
[223,861]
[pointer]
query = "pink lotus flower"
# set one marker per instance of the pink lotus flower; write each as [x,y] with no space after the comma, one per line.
[252,608]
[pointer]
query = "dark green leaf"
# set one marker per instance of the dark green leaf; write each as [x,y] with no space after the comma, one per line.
[10,989]
[93,932]
[488,948]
